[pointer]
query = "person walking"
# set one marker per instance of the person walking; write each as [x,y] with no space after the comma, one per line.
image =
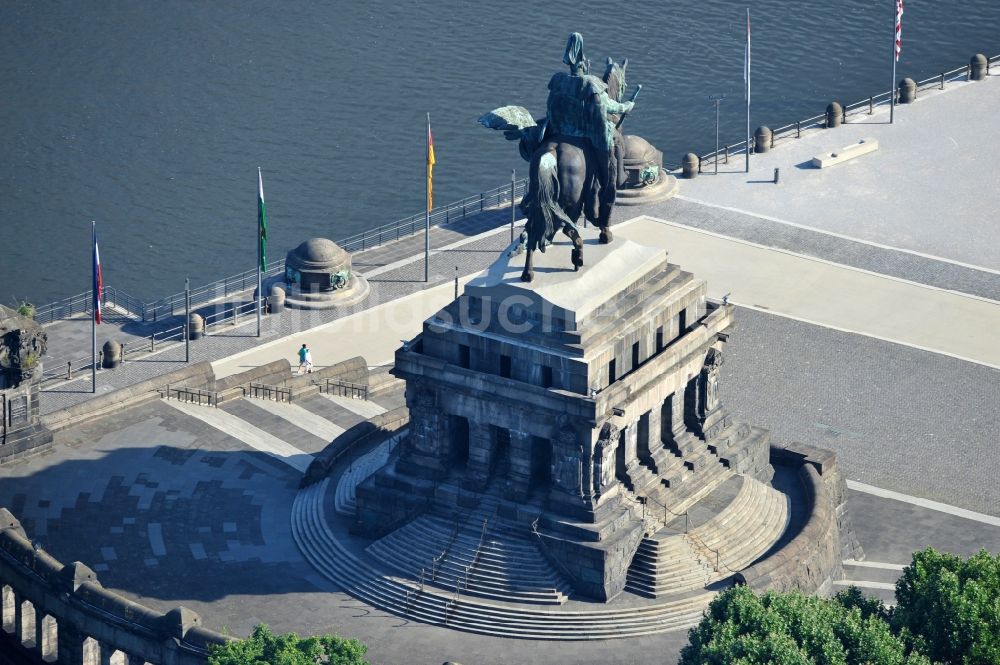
[304,357]
[309,361]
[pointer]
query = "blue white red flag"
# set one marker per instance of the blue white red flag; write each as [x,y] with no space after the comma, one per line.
[98,283]
[899,27]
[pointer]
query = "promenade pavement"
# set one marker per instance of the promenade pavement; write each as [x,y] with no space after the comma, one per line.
[866,324]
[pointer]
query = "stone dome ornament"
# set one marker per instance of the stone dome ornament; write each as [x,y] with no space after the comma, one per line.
[318,275]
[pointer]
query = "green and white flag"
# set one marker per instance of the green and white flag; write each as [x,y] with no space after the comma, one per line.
[261,222]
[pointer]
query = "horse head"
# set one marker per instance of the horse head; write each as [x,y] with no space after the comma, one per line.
[614,77]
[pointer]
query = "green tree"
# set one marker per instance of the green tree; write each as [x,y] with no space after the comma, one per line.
[791,628]
[949,608]
[263,647]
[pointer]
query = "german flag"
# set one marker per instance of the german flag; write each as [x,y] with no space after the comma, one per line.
[430,165]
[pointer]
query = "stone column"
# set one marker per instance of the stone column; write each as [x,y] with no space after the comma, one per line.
[70,644]
[481,445]
[519,474]
[427,451]
[631,443]
[106,652]
[676,406]
[134,660]
[656,429]
[9,609]
[657,436]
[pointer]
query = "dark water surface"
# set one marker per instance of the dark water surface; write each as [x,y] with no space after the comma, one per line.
[151,117]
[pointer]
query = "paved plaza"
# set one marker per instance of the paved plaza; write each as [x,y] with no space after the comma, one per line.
[867,308]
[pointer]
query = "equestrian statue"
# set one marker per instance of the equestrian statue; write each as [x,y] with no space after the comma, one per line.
[575,153]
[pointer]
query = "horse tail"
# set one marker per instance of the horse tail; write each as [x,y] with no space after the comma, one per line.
[541,205]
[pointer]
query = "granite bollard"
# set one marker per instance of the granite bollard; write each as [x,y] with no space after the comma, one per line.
[834,115]
[690,164]
[196,326]
[907,90]
[112,354]
[979,67]
[762,139]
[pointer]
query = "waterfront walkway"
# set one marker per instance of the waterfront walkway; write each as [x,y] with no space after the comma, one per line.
[868,309]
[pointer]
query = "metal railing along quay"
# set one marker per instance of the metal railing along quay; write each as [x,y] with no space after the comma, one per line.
[172,305]
[496,198]
[865,106]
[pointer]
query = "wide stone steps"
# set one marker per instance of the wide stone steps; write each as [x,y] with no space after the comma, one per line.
[747,529]
[335,561]
[499,566]
[345,499]
[695,485]
[665,564]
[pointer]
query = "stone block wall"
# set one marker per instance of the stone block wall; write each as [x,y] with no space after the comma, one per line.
[813,558]
[55,612]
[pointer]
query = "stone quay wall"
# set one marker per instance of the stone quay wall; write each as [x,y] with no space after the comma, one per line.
[55,612]
[813,558]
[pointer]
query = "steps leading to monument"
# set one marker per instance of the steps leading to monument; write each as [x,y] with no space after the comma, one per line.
[345,497]
[665,564]
[478,553]
[332,557]
[745,530]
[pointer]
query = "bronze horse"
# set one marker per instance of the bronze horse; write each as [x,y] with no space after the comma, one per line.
[563,184]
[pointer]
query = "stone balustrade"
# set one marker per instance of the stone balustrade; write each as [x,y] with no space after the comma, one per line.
[57,612]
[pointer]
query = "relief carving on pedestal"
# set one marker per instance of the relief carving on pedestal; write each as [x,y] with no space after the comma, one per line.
[604,457]
[710,379]
[567,469]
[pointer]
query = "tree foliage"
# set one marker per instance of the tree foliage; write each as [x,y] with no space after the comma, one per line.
[263,647]
[949,608]
[743,628]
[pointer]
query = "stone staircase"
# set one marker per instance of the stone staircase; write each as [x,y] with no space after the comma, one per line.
[344,500]
[666,564]
[742,533]
[326,546]
[479,554]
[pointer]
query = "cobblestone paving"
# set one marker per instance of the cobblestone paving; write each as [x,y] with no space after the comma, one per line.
[899,418]
[769,233]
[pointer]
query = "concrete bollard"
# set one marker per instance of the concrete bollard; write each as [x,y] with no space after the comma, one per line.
[111,354]
[834,114]
[276,301]
[979,67]
[196,326]
[762,139]
[907,90]
[689,165]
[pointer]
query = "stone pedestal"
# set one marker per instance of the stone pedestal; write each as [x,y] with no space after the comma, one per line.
[22,344]
[563,398]
[319,275]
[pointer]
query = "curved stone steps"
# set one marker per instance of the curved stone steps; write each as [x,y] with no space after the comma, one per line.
[344,498]
[751,524]
[367,583]
[517,576]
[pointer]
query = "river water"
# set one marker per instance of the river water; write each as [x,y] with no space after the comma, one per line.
[152,117]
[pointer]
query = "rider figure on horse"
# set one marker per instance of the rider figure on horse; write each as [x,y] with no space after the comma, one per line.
[579,105]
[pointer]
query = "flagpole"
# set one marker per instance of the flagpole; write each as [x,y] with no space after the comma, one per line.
[257,300]
[427,204]
[892,89]
[748,91]
[93,317]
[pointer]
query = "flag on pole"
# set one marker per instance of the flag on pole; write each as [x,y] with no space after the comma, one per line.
[430,165]
[899,27]
[261,221]
[98,282]
[746,59]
